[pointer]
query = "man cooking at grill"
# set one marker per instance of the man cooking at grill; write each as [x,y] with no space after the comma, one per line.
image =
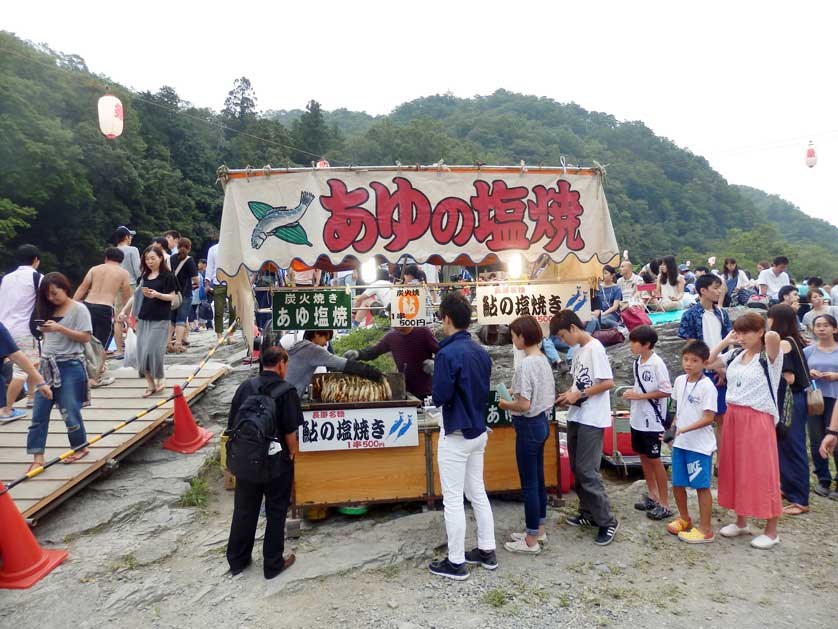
[305,356]
[413,352]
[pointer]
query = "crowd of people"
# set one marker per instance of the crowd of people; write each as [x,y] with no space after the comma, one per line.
[757,394]
[58,339]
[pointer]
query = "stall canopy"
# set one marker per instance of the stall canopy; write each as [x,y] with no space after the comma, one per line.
[451,214]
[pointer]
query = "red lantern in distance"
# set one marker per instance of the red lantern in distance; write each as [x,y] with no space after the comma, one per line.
[110,116]
[322,164]
[811,156]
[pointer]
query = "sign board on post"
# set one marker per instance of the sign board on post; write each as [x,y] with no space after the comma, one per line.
[496,416]
[504,303]
[410,307]
[359,429]
[329,309]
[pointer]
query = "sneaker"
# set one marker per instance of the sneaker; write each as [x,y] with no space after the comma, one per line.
[15,413]
[647,504]
[485,558]
[445,568]
[833,495]
[606,534]
[822,489]
[659,513]
[763,542]
[731,530]
[579,520]
[521,546]
[516,536]
[694,536]
[678,525]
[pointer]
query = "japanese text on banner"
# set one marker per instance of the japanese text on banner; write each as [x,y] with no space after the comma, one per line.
[358,429]
[410,307]
[312,310]
[504,303]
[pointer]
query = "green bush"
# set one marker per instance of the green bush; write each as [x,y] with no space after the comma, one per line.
[361,338]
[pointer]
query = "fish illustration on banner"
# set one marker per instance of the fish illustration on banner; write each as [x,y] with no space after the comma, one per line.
[280,222]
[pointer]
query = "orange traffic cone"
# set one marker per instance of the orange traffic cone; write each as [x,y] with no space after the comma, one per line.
[188,437]
[22,561]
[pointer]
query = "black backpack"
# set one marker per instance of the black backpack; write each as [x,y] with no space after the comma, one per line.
[252,434]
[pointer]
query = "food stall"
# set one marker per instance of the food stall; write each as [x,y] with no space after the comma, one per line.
[332,216]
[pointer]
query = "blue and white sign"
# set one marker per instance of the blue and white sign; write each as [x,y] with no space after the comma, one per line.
[358,429]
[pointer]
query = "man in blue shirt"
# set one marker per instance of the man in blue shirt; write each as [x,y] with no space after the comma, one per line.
[461,389]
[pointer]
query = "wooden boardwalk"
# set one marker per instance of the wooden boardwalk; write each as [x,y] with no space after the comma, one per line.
[109,406]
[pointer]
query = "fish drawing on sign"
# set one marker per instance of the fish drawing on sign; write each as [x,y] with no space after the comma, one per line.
[280,222]
[406,427]
[396,425]
[578,300]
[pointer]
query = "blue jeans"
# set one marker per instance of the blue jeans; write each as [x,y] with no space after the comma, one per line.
[530,436]
[609,321]
[794,460]
[817,426]
[69,397]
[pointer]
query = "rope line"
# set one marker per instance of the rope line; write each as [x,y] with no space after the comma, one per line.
[38,470]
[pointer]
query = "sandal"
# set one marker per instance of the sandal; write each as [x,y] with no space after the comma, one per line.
[34,466]
[75,457]
[148,392]
[795,509]
[679,525]
[178,348]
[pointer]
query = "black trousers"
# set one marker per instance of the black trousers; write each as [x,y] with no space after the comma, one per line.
[246,505]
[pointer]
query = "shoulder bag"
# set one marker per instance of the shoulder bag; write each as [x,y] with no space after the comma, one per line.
[664,418]
[814,397]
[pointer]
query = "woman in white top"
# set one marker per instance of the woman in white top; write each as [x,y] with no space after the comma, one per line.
[749,468]
[535,393]
[670,286]
[819,307]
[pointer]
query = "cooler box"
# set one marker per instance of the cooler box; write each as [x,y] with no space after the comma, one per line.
[567,475]
[623,428]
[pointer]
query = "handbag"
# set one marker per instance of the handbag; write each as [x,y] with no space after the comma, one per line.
[785,414]
[635,316]
[177,302]
[664,419]
[609,337]
[814,396]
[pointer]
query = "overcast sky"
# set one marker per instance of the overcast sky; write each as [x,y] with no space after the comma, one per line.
[745,84]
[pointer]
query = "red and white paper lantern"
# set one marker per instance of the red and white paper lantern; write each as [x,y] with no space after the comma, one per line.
[811,156]
[322,164]
[110,116]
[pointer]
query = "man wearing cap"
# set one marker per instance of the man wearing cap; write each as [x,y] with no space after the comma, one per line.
[131,263]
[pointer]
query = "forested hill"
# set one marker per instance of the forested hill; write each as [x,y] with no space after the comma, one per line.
[65,187]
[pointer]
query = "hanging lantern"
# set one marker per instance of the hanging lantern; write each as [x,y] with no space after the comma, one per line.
[110,116]
[811,156]
[322,164]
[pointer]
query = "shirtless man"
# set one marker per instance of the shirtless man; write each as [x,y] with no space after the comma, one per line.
[99,291]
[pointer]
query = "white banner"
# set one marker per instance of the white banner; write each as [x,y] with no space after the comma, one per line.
[363,212]
[359,429]
[505,303]
[410,307]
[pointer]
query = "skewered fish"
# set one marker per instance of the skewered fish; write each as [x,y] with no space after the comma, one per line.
[352,389]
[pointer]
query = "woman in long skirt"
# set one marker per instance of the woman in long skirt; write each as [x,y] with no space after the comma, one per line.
[749,470]
[158,288]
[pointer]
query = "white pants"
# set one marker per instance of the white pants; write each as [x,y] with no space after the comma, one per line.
[460,463]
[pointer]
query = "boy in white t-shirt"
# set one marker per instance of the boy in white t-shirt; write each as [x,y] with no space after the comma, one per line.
[589,415]
[692,452]
[649,396]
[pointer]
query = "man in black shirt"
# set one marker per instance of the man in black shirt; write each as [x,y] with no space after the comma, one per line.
[277,491]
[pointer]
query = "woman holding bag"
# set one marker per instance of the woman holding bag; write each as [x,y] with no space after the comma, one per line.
[535,393]
[158,289]
[794,461]
[823,369]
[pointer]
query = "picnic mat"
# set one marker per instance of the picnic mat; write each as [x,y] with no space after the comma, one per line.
[659,318]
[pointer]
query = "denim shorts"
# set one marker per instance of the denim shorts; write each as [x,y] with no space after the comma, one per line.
[181,315]
[691,469]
